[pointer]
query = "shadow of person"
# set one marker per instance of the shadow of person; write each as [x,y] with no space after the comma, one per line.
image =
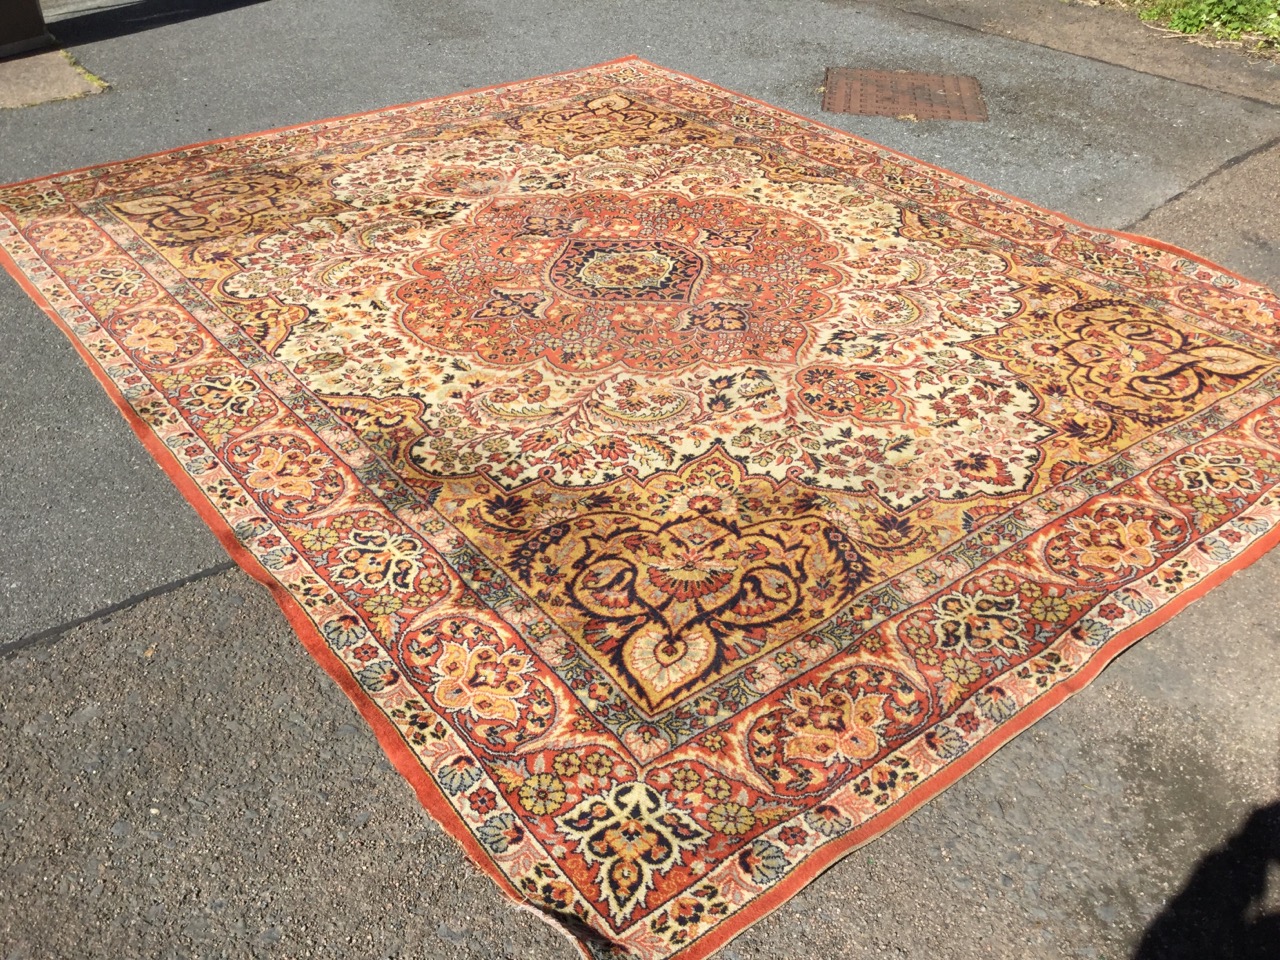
[1220,913]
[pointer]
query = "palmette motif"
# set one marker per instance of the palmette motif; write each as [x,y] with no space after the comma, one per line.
[691,489]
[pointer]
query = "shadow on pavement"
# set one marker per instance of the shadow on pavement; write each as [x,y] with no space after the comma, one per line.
[135,17]
[1219,915]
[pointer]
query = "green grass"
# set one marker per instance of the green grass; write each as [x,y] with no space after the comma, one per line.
[1254,20]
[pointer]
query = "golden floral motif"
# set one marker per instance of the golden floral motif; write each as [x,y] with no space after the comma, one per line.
[834,726]
[482,681]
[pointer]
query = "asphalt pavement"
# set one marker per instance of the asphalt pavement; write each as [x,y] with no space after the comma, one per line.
[178,779]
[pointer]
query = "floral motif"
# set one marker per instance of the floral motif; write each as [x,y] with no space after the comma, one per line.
[380,560]
[666,606]
[1116,540]
[615,297]
[978,621]
[290,475]
[626,270]
[834,726]
[487,686]
[542,793]
[631,835]
[483,682]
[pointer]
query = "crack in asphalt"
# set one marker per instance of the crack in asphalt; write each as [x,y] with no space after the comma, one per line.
[1223,168]
[55,633]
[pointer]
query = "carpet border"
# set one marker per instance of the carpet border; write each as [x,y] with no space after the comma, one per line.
[429,793]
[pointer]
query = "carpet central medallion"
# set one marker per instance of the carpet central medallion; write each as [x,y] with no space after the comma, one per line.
[654,281]
[626,270]
[684,490]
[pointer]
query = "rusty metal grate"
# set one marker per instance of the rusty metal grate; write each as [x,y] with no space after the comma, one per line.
[898,93]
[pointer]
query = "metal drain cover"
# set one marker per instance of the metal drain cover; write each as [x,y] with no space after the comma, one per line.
[898,93]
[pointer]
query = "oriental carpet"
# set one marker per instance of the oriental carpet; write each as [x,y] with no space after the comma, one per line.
[684,491]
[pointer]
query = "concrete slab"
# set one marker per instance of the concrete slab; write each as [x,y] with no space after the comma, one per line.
[1233,216]
[43,77]
[89,519]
